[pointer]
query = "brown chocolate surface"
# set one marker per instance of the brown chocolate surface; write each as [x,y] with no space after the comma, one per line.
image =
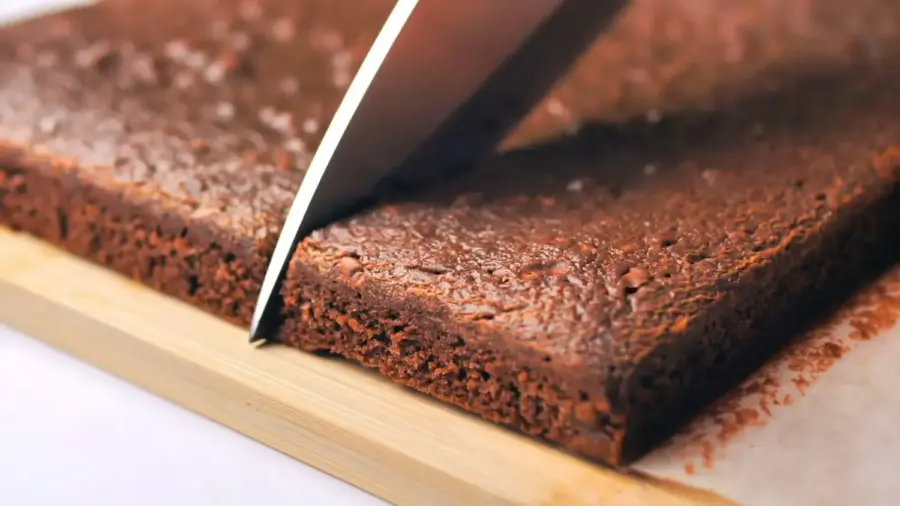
[591,291]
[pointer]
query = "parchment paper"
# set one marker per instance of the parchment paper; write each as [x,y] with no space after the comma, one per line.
[818,425]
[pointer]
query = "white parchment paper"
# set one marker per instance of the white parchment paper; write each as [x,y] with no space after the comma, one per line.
[819,425]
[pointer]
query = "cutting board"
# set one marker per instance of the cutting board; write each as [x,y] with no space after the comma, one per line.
[342,419]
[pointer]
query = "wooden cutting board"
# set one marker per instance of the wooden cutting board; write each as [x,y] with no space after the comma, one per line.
[346,421]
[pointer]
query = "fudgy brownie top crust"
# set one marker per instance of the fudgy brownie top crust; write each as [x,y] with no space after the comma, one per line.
[595,250]
[206,107]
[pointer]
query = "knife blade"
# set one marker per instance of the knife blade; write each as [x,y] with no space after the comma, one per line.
[442,84]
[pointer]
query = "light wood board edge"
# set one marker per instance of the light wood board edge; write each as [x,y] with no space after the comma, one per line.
[346,421]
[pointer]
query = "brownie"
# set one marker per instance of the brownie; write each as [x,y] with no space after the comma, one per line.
[592,291]
[167,139]
[597,291]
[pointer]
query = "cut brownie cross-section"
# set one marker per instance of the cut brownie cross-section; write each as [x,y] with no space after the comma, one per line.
[599,289]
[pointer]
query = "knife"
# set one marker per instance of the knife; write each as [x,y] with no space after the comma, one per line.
[444,82]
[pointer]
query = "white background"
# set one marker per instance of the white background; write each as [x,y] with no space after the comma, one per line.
[72,435]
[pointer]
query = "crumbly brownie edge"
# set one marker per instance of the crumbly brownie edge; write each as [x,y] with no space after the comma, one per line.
[414,346]
[137,237]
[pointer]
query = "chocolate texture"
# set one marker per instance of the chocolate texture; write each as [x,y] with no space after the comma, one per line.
[592,291]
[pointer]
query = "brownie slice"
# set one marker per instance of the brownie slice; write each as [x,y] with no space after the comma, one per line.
[167,139]
[565,291]
[596,291]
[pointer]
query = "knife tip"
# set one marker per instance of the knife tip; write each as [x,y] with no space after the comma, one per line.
[257,334]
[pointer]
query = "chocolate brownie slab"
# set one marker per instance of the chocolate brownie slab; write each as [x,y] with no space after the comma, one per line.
[596,291]
[166,140]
